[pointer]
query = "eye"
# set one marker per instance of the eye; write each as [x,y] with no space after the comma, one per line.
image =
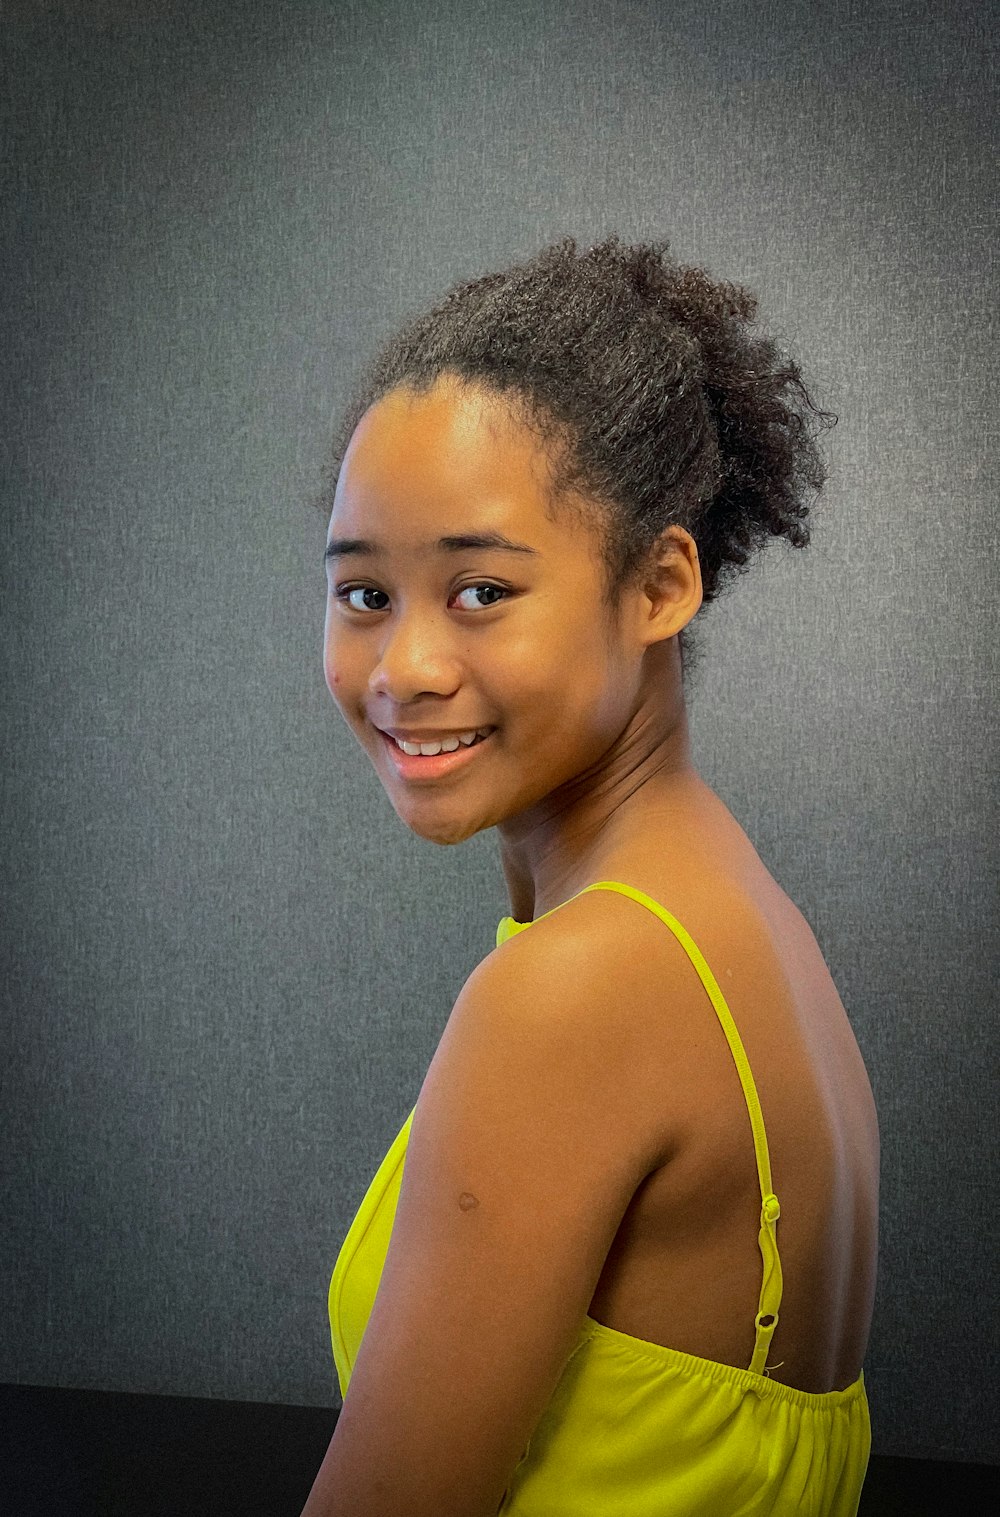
[344,593]
[497,591]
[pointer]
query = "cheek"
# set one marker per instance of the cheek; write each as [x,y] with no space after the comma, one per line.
[337,668]
[331,672]
[344,688]
[562,696]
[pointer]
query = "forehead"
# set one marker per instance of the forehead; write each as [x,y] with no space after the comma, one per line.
[456,455]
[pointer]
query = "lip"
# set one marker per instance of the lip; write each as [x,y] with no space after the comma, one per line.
[415,766]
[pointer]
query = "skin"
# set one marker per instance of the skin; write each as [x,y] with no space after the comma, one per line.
[592,737]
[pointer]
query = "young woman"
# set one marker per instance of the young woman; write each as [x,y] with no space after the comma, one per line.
[570,1302]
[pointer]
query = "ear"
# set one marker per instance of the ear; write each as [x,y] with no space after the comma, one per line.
[671,588]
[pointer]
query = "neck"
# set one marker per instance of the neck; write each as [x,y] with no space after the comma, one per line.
[567,841]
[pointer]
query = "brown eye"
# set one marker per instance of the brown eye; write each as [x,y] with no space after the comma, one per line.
[497,591]
[344,592]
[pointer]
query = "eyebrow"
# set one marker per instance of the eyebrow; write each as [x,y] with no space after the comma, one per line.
[348,547]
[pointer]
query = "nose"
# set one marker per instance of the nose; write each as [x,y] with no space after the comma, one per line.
[416,658]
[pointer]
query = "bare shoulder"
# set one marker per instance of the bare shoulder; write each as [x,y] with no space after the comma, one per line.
[622,944]
[641,993]
[603,944]
[626,988]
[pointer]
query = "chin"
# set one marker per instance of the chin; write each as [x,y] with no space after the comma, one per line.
[446,831]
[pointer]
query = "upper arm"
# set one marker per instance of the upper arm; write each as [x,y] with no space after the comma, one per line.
[528,1141]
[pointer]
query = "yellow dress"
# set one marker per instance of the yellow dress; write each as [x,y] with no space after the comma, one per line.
[634,1429]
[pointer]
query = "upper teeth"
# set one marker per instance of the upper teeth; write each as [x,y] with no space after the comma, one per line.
[447,745]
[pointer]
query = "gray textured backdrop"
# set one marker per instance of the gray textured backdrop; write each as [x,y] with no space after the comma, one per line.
[226,963]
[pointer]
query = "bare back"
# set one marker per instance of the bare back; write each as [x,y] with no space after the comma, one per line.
[684,1270]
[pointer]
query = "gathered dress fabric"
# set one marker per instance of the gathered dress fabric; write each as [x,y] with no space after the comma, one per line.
[634,1429]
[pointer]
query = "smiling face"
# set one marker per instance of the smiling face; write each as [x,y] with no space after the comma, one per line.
[430,634]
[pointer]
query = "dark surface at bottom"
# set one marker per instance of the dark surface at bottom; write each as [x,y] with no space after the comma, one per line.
[69,1453]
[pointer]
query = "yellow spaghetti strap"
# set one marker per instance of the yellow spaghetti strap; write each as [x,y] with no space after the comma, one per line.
[771,1285]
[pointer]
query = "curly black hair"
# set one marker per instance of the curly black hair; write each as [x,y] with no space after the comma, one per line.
[641,378]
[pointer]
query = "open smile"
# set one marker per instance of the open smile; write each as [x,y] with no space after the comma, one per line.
[419,766]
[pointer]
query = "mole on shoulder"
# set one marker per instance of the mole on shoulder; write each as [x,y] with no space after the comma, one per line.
[467,1200]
